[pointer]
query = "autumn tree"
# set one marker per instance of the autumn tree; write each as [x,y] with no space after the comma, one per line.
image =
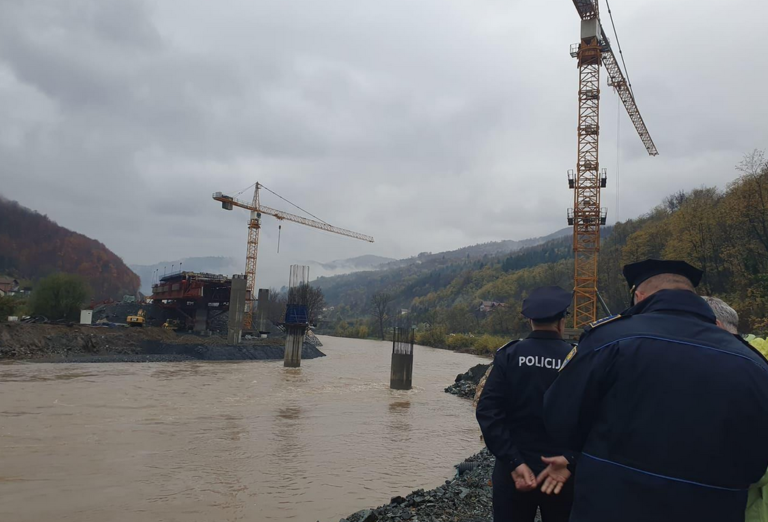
[459,318]
[698,237]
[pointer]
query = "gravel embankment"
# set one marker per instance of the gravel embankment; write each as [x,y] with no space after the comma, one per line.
[465,498]
[181,352]
[51,343]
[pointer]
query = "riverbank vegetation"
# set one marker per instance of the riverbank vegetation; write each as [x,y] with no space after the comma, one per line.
[476,301]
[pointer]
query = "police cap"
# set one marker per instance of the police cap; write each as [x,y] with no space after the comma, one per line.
[547,302]
[636,273]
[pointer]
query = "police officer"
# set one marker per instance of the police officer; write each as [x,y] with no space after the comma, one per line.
[510,415]
[667,433]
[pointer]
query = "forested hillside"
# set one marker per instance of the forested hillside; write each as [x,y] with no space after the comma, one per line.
[723,232]
[426,273]
[32,246]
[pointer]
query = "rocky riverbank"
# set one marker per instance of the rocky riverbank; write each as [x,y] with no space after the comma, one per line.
[51,343]
[465,498]
[466,383]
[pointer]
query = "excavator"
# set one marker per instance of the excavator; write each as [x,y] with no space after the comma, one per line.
[136,320]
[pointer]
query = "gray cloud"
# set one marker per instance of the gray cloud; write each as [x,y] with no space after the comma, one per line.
[429,125]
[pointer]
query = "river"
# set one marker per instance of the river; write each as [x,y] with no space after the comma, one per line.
[202,441]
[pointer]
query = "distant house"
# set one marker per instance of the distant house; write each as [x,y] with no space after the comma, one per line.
[8,285]
[487,306]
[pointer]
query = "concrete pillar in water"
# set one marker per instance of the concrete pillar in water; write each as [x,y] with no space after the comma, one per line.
[294,342]
[401,374]
[236,309]
[261,311]
[201,318]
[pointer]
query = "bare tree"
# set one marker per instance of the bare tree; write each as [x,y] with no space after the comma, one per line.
[674,201]
[753,163]
[315,302]
[380,306]
[309,296]
[275,306]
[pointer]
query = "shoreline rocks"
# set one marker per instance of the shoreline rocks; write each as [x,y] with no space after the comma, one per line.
[465,498]
[466,383]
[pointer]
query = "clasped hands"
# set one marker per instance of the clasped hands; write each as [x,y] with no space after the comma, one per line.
[551,480]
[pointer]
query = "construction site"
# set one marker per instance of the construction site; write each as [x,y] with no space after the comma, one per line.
[189,315]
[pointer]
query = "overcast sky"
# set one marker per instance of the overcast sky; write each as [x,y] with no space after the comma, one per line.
[428,124]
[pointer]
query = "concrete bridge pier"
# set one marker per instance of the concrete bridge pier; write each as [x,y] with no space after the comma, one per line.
[294,342]
[201,318]
[401,374]
[236,309]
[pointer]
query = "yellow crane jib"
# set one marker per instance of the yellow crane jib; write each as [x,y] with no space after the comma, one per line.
[254,225]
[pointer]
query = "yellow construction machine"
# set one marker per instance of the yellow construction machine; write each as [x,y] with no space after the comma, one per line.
[136,320]
[171,324]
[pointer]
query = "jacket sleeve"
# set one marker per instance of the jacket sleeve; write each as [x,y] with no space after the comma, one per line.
[491,414]
[572,402]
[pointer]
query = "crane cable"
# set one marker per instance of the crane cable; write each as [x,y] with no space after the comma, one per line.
[294,204]
[281,197]
[618,110]
[618,44]
[246,188]
[618,152]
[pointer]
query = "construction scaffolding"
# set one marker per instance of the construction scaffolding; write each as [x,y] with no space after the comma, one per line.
[296,315]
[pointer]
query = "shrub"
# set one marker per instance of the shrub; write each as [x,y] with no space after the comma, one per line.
[760,344]
[59,296]
[7,307]
[435,336]
[489,343]
[458,341]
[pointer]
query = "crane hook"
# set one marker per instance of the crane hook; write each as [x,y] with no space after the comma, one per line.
[279,230]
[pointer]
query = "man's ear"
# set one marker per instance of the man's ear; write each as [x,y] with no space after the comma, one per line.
[719,324]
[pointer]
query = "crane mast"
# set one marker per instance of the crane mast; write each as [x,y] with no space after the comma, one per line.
[587,216]
[254,225]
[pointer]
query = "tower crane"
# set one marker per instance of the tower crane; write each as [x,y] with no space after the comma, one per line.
[587,216]
[254,225]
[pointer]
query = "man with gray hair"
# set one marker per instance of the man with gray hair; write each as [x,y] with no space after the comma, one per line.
[757,497]
[726,317]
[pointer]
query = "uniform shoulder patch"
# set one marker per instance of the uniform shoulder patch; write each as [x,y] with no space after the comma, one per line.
[568,357]
[510,343]
[603,321]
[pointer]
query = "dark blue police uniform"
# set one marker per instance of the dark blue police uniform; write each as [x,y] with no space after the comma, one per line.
[510,412]
[669,411]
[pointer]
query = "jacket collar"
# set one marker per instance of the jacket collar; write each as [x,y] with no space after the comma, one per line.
[544,334]
[674,301]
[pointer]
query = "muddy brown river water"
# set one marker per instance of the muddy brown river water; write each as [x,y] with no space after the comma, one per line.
[251,441]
